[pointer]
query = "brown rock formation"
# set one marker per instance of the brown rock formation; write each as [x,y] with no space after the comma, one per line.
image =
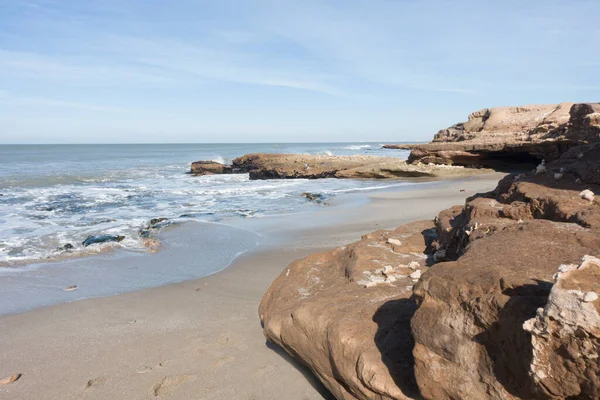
[342,315]
[209,168]
[346,313]
[566,334]
[294,166]
[504,136]
[507,246]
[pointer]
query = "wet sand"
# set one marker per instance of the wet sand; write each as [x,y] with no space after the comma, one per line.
[198,339]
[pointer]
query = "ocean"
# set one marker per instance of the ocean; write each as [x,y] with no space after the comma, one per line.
[57,195]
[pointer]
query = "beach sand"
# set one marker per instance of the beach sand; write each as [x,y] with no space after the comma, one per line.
[197,339]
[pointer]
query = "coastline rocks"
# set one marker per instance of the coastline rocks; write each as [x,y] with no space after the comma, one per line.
[101,239]
[503,249]
[294,166]
[346,313]
[303,166]
[565,334]
[486,321]
[209,168]
[501,137]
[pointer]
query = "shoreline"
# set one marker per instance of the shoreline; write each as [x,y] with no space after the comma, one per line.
[199,338]
[190,250]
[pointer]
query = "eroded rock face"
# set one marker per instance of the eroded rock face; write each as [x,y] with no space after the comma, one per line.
[502,251]
[292,166]
[209,168]
[504,136]
[295,166]
[303,166]
[346,313]
[483,322]
[565,334]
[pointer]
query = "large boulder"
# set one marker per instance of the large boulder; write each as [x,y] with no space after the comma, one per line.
[346,313]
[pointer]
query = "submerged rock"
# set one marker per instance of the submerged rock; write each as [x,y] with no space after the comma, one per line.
[155,221]
[154,225]
[318,198]
[145,233]
[102,239]
[66,247]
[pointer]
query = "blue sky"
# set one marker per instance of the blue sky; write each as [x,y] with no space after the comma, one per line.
[282,70]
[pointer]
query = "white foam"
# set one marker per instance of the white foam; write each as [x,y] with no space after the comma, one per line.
[218,159]
[46,206]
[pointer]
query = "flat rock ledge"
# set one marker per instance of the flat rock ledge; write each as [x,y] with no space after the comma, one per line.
[494,299]
[302,166]
[503,138]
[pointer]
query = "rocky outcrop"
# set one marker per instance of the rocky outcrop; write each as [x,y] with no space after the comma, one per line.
[485,321]
[503,249]
[304,166]
[505,137]
[210,168]
[346,313]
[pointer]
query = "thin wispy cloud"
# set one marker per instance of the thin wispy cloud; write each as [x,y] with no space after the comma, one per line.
[11,100]
[324,65]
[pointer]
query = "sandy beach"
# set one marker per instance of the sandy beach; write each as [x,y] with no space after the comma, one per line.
[197,339]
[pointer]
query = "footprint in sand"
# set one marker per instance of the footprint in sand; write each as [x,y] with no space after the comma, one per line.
[142,369]
[94,382]
[230,340]
[167,383]
[163,363]
[224,340]
[222,361]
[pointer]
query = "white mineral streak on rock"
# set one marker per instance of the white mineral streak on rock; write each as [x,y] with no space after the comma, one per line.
[394,242]
[416,274]
[567,311]
[587,195]
[414,265]
[540,169]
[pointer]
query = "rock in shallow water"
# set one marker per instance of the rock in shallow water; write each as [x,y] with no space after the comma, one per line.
[66,247]
[318,198]
[102,239]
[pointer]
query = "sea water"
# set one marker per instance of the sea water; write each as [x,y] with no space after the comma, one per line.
[54,195]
